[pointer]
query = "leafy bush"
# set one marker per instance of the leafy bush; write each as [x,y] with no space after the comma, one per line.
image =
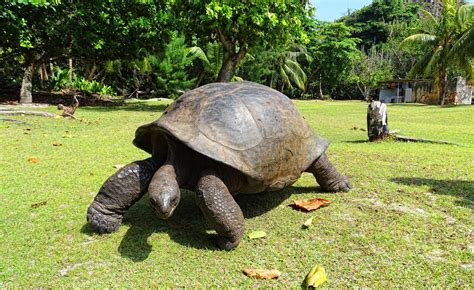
[61,80]
[92,87]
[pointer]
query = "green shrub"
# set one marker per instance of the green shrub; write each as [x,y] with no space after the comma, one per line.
[61,80]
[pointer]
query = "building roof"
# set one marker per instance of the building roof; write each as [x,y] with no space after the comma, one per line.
[405,81]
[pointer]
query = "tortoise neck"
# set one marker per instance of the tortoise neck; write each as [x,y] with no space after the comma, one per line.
[179,157]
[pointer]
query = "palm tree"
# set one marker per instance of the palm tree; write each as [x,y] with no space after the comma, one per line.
[211,60]
[286,68]
[449,43]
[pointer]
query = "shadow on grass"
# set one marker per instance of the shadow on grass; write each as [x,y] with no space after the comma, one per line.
[426,105]
[464,189]
[357,141]
[187,226]
[133,107]
[406,105]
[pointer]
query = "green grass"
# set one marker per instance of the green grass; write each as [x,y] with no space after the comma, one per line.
[407,222]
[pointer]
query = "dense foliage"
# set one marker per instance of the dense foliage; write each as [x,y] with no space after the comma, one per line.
[162,48]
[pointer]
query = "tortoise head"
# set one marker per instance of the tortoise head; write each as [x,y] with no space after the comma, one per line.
[164,191]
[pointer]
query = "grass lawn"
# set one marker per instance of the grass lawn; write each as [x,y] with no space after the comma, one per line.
[408,221]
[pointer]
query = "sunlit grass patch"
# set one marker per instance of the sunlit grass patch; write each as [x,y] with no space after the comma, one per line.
[407,222]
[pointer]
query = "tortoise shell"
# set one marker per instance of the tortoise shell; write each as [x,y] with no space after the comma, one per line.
[250,127]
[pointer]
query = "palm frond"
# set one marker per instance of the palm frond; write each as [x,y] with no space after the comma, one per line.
[295,73]
[429,21]
[196,52]
[284,77]
[467,67]
[464,45]
[465,16]
[215,56]
[420,65]
[417,39]
[433,62]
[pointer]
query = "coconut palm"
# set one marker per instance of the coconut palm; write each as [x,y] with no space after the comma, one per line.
[211,60]
[286,67]
[448,42]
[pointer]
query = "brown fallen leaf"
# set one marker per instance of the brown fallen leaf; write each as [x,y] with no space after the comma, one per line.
[38,204]
[33,159]
[310,205]
[57,144]
[262,273]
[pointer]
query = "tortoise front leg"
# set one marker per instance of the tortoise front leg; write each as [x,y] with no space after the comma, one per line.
[220,209]
[327,176]
[119,192]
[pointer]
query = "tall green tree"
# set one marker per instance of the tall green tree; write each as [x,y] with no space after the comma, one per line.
[371,23]
[35,32]
[240,25]
[368,70]
[332,49]
[448,42]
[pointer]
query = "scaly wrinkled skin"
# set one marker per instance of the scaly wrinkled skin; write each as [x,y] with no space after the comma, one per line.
[327,176]
[119,192]
[220,209]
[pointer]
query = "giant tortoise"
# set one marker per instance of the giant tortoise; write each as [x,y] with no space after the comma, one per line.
[218,140]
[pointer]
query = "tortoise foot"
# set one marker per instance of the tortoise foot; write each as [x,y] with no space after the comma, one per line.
[226,244]
[341,184]
[103,222]
[327,176]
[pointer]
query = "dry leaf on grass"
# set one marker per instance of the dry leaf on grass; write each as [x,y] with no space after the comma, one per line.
[310,205]
[57,144]
[262,273]
[316,277]
[33,159]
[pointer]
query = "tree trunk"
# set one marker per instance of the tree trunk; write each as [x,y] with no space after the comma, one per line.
[231,57]
[443,87]
[69,74]
[26,84]
[91,71]
[199,79]
[228,68]
[321,87]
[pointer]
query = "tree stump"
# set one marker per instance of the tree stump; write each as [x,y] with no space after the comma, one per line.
[377,121]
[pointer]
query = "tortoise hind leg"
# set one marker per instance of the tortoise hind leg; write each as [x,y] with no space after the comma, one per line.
[119,192]
[220,209]
[327,176]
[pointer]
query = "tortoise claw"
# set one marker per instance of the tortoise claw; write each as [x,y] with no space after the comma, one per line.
[225,243]
[339,185]
[101,222]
